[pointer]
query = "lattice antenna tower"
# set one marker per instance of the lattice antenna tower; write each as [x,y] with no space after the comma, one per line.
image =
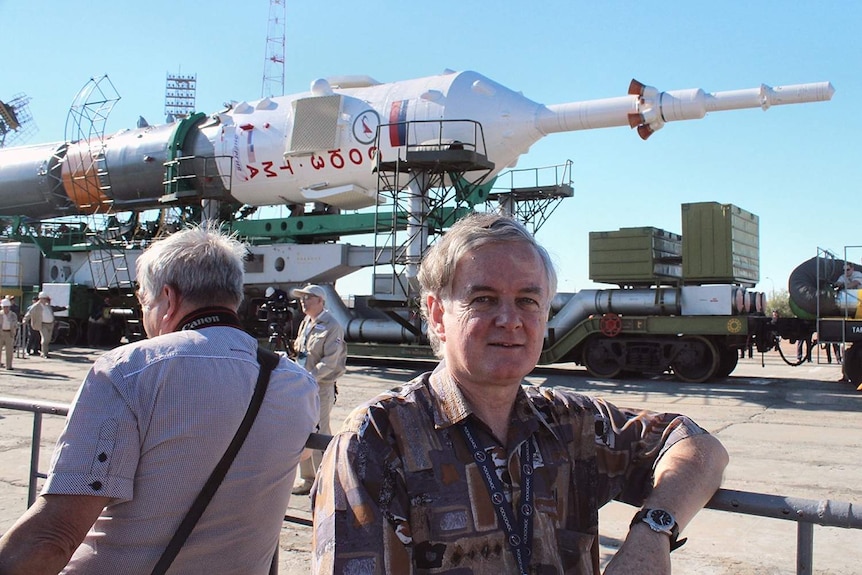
[180,94]
[16,123]
[273,67]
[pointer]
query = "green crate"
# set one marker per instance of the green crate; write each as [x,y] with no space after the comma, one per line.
[635,256]
[722,244]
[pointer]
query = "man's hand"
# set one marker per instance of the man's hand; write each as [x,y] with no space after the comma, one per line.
[644,551]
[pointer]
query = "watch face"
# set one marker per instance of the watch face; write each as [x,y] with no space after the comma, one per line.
[661,517]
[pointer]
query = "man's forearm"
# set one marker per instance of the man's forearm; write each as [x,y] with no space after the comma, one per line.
[43,540]
[687,476]
[25,548]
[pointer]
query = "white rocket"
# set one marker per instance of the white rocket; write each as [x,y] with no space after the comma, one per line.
[323,145]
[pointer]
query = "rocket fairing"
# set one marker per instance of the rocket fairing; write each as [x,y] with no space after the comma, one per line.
[323,145]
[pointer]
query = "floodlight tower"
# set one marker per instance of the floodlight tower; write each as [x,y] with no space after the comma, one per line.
[16,123]
[273,68]
[180,96]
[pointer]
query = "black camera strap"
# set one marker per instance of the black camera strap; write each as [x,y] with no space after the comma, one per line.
[268,361]
[209,317]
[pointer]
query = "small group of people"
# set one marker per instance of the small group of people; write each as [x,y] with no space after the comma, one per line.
[466,469]
[37,323]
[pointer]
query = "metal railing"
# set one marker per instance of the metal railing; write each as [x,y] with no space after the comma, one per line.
[805,512]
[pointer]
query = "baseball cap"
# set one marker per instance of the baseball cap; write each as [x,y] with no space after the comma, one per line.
[310,289]
[5,303]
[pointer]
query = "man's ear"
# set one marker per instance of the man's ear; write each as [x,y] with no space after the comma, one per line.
[435,316]
[172,295]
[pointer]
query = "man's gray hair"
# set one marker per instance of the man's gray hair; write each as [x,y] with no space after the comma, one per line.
[202,263]
[468,234]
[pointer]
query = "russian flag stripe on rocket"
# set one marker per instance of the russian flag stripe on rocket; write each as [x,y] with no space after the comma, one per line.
[250,144]
[397,123]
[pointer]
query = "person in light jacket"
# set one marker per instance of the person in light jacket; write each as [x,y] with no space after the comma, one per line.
[320,348]
[8,330]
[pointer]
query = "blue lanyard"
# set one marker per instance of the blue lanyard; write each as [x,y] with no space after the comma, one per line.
[520,537]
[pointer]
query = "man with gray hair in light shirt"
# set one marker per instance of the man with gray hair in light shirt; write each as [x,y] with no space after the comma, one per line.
[151,421]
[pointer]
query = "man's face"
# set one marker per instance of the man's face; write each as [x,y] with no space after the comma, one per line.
[493,323]
[848,270]
[311,305]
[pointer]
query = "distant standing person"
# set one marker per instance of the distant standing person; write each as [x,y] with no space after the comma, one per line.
[8,330]
[32,334]
[320,348]
[852,278]
[14,306]
[98,323]
[803,349]
[41,317]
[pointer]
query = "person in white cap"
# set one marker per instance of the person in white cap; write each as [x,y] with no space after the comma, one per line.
[8,330]
[320,348]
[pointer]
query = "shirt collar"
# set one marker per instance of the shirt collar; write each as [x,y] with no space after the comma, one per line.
[451,407]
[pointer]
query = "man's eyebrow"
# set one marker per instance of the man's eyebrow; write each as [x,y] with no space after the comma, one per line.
[531,289]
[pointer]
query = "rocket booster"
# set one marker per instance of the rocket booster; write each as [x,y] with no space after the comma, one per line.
[323,145]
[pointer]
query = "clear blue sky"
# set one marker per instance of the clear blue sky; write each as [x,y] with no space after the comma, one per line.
[797,167]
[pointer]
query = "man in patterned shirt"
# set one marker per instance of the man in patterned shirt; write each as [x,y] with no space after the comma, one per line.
[467,470]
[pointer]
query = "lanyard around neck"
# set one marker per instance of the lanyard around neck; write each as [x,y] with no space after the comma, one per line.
[520,536]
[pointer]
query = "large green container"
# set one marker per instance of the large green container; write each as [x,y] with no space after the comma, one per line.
[635,256]
[722,244]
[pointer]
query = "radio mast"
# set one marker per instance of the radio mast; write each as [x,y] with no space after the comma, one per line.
[273,68]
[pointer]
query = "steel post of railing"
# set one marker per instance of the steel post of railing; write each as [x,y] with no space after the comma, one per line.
[37,408]
[804,548]
[806,512]
[35,448]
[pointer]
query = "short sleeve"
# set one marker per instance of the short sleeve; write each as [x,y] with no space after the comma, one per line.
[98,451]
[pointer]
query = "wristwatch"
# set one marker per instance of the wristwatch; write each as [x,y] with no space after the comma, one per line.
[660,521]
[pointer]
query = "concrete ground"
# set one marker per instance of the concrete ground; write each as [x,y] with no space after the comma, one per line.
[791,431]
